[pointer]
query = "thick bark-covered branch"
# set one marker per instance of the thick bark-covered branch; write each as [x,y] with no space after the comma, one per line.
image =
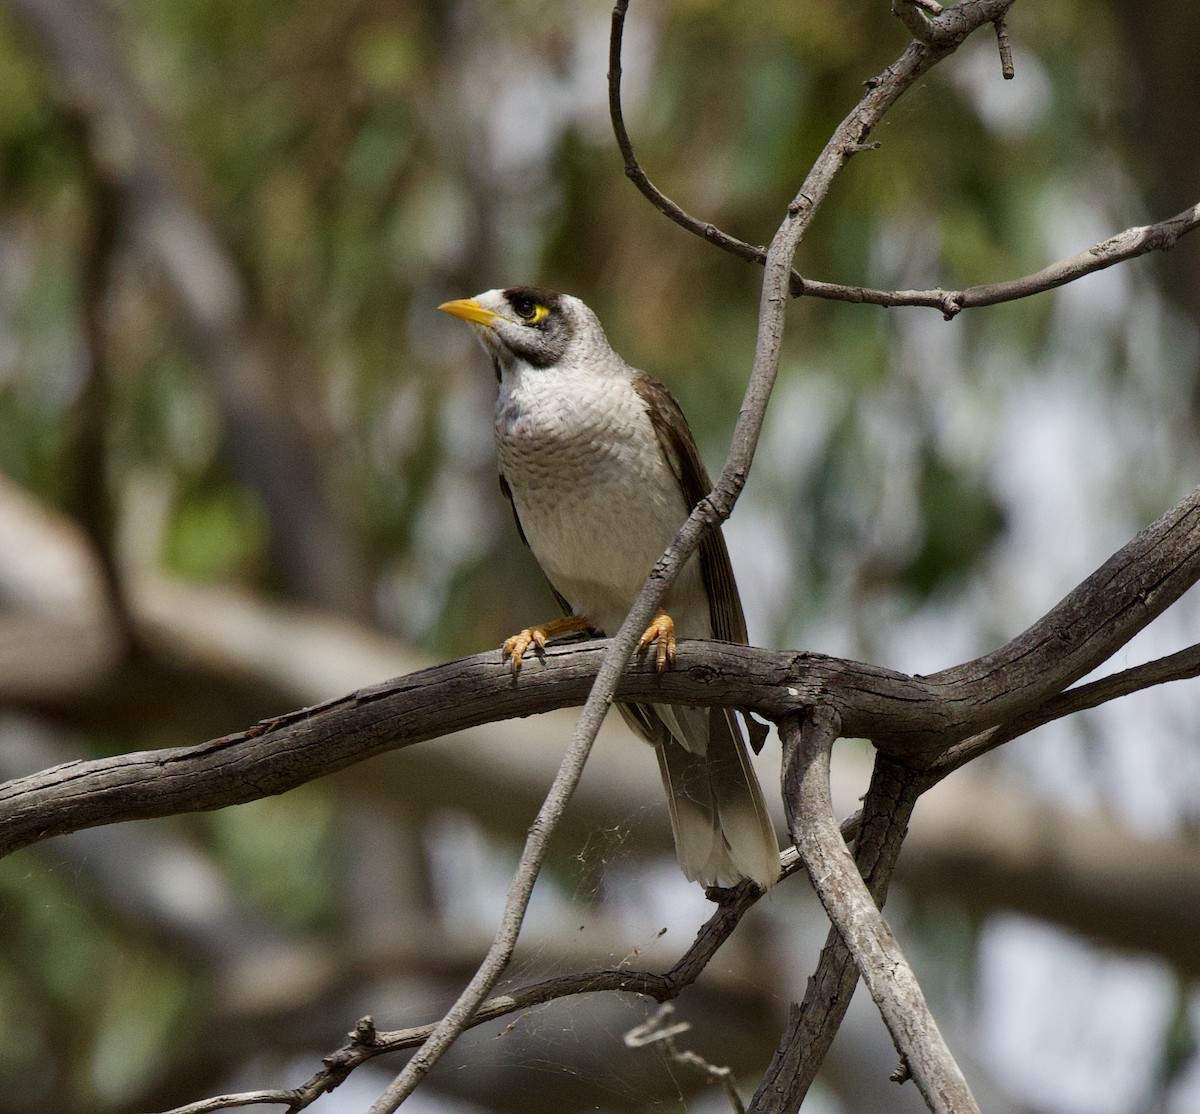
[807,745]
[912,718]
[813,1023]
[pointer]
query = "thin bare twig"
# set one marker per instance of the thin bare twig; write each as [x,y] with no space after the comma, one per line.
[1180,666]
[1007,70]
[807,745]
[1118,248]
[232,1101]
[366,1042]
[634,172]
[1115,249]
[660,1029]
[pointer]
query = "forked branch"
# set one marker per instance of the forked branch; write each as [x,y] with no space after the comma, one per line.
[807,745]
[922,20]
[935,722]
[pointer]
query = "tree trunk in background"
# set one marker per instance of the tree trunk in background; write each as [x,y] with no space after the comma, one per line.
[1161,39]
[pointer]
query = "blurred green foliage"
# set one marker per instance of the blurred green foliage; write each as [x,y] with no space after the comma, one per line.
[91,1010]
[344,152]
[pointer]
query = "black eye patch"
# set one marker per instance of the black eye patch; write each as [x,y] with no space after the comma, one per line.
[533,304]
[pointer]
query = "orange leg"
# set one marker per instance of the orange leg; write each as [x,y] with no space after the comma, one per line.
[514,648]
[662,631]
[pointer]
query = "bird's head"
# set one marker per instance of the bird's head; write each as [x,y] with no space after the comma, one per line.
[529,324]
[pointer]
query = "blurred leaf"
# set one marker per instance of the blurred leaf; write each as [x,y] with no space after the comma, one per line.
[962,519]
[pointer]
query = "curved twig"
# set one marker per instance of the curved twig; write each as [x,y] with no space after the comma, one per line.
[1115,249]
[633,168]
[1118,248]
[365,1042]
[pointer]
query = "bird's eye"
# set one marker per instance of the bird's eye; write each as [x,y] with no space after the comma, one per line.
[529,311]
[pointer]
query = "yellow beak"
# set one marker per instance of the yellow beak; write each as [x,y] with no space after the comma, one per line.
[470,310]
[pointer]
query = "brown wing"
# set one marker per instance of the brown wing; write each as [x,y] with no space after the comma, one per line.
[506,491]
[679,447]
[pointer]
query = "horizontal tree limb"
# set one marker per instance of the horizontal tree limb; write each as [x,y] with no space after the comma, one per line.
[915,719]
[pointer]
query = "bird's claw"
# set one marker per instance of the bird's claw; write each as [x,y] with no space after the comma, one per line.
[662,632]
[514,648]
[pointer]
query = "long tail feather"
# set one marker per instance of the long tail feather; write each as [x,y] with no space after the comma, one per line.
[722,829]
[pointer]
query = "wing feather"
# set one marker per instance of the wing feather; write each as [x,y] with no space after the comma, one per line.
[679,447]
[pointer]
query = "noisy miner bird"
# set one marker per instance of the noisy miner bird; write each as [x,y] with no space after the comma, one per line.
[601,469]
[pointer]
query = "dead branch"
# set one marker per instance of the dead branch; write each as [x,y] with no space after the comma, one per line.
[813,1023]
[1123,246]
[914,719]
[807,745]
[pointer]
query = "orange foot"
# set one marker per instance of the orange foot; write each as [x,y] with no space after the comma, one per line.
[514,648]
[662,631]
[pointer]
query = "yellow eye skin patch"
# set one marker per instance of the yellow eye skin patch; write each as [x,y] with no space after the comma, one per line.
[540,313]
